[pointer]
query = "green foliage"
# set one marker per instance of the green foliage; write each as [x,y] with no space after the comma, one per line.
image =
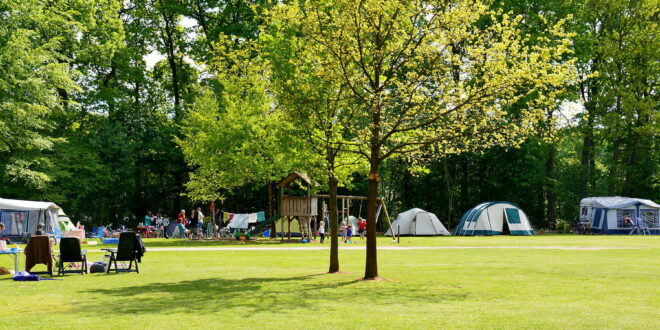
[251,89]
[240,138]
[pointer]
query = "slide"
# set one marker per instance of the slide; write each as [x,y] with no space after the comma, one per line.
[262,225]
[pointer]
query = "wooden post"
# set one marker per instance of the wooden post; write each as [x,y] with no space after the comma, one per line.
[387,216]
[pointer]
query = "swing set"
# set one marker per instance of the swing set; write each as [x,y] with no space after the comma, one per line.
[304,209]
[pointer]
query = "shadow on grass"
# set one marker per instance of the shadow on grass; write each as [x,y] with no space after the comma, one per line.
[252,295]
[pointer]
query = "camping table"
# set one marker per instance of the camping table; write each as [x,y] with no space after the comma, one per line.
[15,252]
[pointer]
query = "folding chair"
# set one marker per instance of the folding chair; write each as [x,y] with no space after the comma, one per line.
[99,233]
[70,252]
[129,249]
[39,251]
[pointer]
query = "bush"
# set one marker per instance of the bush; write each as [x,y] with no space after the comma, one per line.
[563,226]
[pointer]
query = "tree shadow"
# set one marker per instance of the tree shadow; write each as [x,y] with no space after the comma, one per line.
[252,295]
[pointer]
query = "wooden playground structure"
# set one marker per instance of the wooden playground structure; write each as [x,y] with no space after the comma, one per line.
[304,210]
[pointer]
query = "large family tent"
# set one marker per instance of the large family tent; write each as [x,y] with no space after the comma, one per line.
[494,218]
[417,222]
[606,214]
[22,217]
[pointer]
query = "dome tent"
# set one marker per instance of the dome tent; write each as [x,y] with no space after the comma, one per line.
[494,218]
[417,222]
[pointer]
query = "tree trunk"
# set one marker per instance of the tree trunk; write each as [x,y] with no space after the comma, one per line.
[587,156]
[334,226]
[171,60]
[271,210]
[450,192]
[371,268]
[551,207]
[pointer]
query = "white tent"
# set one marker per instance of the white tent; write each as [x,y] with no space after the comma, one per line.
[417,222]
[351,221]
[64,221]
[494,218]
[606,214]
[22,217]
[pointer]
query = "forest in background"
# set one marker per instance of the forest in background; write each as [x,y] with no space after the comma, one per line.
[88,123]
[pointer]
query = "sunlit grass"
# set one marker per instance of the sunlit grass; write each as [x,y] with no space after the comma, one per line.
[448,288]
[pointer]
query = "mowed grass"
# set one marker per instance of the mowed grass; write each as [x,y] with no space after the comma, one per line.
[446,288]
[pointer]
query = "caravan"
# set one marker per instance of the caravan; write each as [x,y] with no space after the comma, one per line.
[22,217]
[607,215]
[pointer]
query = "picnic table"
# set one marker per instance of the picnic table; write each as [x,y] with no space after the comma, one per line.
[146,232]
[15,252]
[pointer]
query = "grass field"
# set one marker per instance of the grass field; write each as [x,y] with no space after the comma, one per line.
[499,285]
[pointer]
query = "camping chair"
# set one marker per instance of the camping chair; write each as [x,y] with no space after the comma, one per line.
[70,252]
[56,235]
[99,233]
[130,249]
[225,232]
[39,251]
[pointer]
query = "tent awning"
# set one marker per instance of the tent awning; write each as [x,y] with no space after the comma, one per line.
[15,204]
[617,202]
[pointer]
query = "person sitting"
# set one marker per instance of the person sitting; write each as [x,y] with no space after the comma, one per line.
[2,229]
[40,230]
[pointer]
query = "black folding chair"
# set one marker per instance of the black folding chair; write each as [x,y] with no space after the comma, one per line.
[70,252]
[128,249]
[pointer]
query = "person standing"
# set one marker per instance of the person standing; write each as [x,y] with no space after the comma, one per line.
[165,222]
[192,221]
[147,220]
[362,227]
[200,222]
[342,231]
[322,231]
[181,218]
[158,220]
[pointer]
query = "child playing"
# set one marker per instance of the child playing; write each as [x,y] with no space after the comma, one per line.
[342,230]
[322,231]
[362,227]
[349,234]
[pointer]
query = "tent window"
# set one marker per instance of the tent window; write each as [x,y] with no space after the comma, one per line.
[621,214]
[650,217]
[15,222]
[512,215]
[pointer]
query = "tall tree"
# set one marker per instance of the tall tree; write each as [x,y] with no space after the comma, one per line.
[396,59]
[320,109]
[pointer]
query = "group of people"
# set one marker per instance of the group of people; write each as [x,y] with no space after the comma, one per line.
[346,231]
[188,225]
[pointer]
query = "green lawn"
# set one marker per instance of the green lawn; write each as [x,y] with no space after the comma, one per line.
[455,288]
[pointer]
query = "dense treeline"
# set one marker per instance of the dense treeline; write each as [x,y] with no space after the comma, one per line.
[87,122]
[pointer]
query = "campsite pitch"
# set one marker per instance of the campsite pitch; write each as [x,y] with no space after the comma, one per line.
[520,284]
